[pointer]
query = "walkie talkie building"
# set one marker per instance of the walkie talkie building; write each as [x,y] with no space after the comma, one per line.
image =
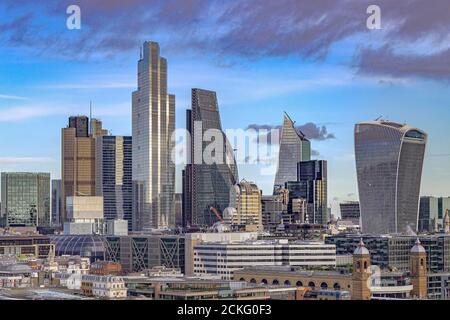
[389,160]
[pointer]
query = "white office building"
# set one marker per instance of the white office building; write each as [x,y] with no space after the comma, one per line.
[223,258]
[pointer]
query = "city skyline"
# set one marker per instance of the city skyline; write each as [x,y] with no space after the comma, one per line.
[241,151]
[42,90]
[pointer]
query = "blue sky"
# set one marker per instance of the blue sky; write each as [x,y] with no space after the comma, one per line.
[318,63]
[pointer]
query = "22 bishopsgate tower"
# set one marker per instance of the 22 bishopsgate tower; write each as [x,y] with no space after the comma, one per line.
[389,161]
[153,122]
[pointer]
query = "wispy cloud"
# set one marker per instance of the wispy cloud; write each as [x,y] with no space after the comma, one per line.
[11,97]
[32,111]
[90,85]
[4,161]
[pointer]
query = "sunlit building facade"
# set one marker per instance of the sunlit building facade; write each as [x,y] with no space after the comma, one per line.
[77,160]
[294,147]
[113,176]
[246,199]
[153,122]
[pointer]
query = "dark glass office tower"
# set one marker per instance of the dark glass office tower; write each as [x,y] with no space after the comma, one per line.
[294,147]
[206,185]
[81,124]
[350,211]
[113,180]
[56,203]
[389,160]
[311,185]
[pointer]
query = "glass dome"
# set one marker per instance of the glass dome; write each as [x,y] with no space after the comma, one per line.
[90,246]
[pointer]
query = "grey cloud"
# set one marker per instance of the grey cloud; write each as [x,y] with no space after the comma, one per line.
[245,28]
[311,131]
[384,61]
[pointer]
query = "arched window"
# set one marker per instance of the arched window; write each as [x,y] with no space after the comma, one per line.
[241,279]
[358,265]
[323,285]
[252,280]
[299,284]
[421,262]
[264,281]
[311,285]
[337,286]
[365,265]
[275,282]
[287,283]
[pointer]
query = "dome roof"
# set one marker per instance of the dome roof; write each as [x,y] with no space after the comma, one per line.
[361,249]
[418,248]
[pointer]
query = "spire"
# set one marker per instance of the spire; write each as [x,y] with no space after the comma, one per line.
[418,248]
[361,243]
[90,116]
[361,249]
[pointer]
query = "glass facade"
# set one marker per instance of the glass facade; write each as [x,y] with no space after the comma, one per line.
[389,159]
[153,122]
[56,203]
[113,176]
[294,147]
[89,246]
[311,185]
[206,185]
[428,214]
[26,199]
[138,253]
[350,211]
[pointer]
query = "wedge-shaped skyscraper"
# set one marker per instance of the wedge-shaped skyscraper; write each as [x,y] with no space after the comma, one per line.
[206,184]
[294,147]
[153,122]
[389,160]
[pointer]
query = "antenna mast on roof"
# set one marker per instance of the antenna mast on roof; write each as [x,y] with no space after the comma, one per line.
[90,117]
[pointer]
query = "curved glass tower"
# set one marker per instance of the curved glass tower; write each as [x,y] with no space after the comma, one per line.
[389,160]
[294,147]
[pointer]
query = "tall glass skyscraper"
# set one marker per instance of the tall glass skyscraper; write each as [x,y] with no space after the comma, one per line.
[206,185]
[294,147]
[153,122]
[56,203]
[311,185]
[77,161]
[389,160]
[113,176]
[313,176]
[26,199]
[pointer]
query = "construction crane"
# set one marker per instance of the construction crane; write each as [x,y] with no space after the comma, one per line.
[214,210]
